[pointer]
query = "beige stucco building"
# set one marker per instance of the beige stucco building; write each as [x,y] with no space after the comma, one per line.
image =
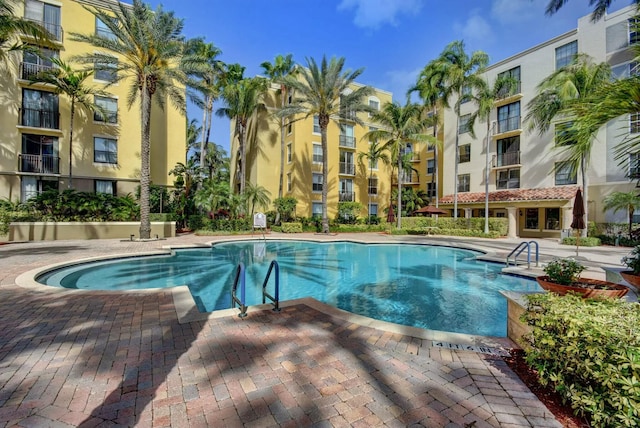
[34,121]
[525,184]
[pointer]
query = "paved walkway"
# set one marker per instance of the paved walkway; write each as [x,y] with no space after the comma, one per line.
[78,358]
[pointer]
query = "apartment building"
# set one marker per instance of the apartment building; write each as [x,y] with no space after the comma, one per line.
[526,182]
[35,122]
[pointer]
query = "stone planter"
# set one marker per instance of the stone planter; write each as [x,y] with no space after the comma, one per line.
[600,289]
[632,279]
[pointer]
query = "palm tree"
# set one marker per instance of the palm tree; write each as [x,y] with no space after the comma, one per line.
[400,125]
[600,7]
[256,195]
[12,27]
[618,201]
[281,67]
[67,81]
[561,96]
[207,73]
[325,91]
[151,46]
[375,154]
[212,196]
[243,100]
[455,74]
[193,130]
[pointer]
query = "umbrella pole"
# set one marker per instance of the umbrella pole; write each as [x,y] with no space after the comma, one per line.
[578,232]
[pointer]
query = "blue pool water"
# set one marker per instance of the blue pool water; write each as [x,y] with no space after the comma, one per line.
[432,287]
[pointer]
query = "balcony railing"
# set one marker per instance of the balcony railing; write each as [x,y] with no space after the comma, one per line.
[347,141]
[507,92]
[55,31]
[43,164]
[109,117]
[29,71]
[40,118]
[347,168]
[509,124]
[346,197]
[347,114]
[506,159]
[406,179]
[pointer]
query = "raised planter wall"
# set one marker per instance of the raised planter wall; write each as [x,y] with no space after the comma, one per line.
[53,231]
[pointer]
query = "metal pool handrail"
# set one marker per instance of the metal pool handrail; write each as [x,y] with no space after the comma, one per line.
[240,277]
[265,295]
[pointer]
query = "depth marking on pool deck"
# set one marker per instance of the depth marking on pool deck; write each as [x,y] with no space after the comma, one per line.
[481,349]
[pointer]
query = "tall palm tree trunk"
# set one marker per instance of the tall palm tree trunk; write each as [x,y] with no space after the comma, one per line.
[145,165]
[434,175]
[455,168]
[399,201]
[208,127]
[282,145]
[73,112]
[585,194]
[325,175]
[204,129]
[243,157]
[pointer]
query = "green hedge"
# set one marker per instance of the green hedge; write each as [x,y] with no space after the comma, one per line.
[292,227]
[7,217]
[589,350]
[223,224]
[162,217]
[584,242]
[498,225]
[358,228]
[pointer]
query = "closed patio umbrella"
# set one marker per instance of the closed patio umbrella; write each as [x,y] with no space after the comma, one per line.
[391,217]
[578,217]
[430,209]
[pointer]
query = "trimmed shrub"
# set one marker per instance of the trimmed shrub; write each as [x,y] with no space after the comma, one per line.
[292,227]
[584,242]
[6,217]
[162,217]
[359,228]
[227,225]
[589,350]
[498,225]
[196,221]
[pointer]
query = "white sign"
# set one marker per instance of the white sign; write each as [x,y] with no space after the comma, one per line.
[260,220]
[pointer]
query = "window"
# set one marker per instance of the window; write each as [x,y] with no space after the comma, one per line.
[106,71]
[562,133]
[109,108]
[105,150]
[35,62]
[634,165]
[45,14]
[634,123]
[464,153]
[105,186]
[346,163]
[431,166]
[346,190]
[508,179]
[565,174]
[33,186]
[316,209]
[289,128]
[317,183]
[508,151]
[289,182]
[39,154]
[40,109]
[512,87]
[374,104]
[289,153]
[465,95]
[373,163]
[317,153]
[566,53]
[509,117]
[371,129]
[552,218]
[464,182]
[103,31]
[347,138]
[316,124]
[464,125]
[431,190]
[373,185]
[531,218]
[634,34]
[373,210]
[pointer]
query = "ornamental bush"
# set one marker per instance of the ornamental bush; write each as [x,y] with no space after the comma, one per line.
[589,350]
[590,241]
[292,227]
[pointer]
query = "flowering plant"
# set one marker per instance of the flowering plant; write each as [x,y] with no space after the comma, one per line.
[563,271]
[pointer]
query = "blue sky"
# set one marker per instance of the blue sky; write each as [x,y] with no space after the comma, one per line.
[391,39]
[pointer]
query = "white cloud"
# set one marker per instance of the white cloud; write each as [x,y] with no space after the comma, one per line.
[475,28]
[399,82]
[510,11]
[375,13]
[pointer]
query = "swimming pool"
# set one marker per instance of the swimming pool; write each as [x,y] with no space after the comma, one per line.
[433,287]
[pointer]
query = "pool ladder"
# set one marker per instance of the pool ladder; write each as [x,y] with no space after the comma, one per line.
[520,248]
[240,281]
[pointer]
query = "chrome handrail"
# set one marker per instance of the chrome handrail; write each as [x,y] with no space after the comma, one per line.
[240,276]
[276,298]
[520,248]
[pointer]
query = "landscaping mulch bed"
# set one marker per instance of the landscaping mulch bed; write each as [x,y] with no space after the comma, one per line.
[549,397]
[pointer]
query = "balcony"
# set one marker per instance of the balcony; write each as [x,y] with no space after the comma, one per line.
[506,159]
[347,141]
[347,114]
[39,118]
[346,197]
[509,124]
[347,168]
[28,71]
[508,92]
[56,33]
[42,164]
[406,179]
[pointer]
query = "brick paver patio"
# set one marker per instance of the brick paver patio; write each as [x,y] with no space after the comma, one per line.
[78,358]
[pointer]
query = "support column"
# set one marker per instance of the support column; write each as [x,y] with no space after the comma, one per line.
[512,215]
[567,217]
[467,212]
